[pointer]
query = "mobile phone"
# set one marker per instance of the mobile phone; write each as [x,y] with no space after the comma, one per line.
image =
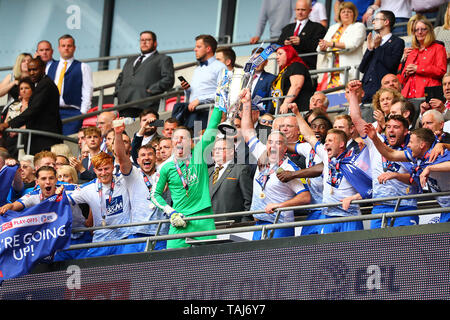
[181,78]
[157,123]
[435,92]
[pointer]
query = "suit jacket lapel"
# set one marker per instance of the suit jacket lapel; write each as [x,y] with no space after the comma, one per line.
[225,174]
[146,61]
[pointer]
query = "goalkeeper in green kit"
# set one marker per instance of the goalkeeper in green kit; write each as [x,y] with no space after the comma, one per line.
[186,174]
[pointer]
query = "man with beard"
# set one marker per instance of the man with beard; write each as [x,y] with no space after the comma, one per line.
[269,193]
[426,170]
[143,76]
[390,178]
[146,133]
[339,183]
[320,124]
[140,181]
[202,89]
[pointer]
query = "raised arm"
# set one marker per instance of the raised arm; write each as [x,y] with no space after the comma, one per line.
[119,148]
[247,129]
[388,153]
[304,127]
[15,206]
[355,111]
[311,172]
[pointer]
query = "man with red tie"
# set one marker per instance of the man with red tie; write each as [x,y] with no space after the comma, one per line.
[303,34]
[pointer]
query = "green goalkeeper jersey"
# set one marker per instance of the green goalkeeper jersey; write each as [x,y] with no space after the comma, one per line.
[196,197]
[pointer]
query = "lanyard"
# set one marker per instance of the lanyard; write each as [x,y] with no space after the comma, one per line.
[389,164]
[147,183]
[180,174]
[418,166]
[100,195]
[266,173]
[333,168]
[312,154]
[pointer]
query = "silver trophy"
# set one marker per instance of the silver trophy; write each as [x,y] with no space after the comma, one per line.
[229,95]
[228,92]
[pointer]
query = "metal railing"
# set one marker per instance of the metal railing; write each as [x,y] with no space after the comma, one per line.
[265,228]
[178,92]
[30,132]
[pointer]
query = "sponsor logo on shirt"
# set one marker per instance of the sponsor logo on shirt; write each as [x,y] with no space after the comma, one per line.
[115,206]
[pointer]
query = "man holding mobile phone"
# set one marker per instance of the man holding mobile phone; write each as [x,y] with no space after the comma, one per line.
[203,85]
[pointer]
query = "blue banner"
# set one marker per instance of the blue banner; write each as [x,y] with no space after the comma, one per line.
[28,236]
[6,178]
[357,170]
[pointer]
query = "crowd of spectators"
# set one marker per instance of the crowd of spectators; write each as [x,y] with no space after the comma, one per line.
[288,149]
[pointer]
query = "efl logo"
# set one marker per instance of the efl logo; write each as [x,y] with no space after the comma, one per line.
[32,220]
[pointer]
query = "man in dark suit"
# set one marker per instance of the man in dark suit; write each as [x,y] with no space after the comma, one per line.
[303,34]
[230,184]
[383,54]
[43,109]
[262,85]
[148,74]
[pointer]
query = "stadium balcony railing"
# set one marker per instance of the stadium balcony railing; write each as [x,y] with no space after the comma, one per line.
[424,207]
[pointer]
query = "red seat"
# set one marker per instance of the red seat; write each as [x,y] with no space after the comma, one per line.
[171,102]
[92,121]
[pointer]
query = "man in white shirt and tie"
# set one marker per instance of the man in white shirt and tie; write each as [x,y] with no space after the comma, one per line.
[74,81]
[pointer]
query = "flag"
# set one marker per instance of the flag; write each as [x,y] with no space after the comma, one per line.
[357,170]
[6,178]
[28,236]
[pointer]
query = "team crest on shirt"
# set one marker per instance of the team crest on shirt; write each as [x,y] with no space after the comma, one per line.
[192,176]
[115,206]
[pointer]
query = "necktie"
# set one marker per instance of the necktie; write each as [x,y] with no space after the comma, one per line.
[138,63]
[447,105]
[297,29]
[216,174]
[204,63]
[61,77]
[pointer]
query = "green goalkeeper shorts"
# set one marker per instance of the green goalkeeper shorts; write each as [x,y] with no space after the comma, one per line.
[192,226]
